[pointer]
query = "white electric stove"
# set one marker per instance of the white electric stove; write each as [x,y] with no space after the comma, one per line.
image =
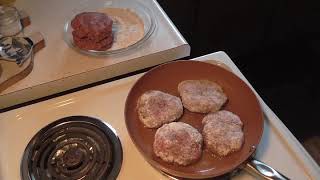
[102,108]
[58,68]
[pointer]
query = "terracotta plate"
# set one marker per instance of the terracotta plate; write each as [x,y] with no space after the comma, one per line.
[166,78]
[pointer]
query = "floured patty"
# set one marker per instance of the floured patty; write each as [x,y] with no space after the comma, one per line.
[222,132]
[223,116]
[178,142]
[156,108]
[201,96]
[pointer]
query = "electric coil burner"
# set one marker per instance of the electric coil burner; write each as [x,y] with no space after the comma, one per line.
[75,147]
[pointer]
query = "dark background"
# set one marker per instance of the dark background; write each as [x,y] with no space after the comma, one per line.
[275,43]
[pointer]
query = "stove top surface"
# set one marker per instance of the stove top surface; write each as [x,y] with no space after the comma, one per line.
[75,147]
[106,103]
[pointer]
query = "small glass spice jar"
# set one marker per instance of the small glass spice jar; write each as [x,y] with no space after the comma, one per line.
[10,24]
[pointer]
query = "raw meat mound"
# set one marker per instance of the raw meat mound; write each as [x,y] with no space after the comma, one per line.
[92,31]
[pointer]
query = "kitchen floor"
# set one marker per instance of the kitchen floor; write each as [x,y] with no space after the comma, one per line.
[276,52]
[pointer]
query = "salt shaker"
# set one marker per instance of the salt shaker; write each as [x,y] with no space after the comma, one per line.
[10,24]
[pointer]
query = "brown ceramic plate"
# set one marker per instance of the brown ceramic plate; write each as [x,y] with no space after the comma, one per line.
[166,78]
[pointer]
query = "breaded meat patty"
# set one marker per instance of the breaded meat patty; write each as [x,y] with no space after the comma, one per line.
[179,143]
[201,96]
[156,108]
[222,132]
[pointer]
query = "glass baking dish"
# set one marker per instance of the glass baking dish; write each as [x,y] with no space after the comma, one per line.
[144,14]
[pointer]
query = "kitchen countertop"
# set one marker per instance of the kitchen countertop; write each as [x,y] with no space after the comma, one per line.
[59,68]
[278,147]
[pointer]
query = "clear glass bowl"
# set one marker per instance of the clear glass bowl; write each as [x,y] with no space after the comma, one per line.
[138,8]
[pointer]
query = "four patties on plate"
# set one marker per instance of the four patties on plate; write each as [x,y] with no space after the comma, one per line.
[92,31]
[180,143]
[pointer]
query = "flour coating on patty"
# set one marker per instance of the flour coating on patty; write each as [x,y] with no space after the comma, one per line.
[179,143]
[156,108]
[222,132]
[201,96]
